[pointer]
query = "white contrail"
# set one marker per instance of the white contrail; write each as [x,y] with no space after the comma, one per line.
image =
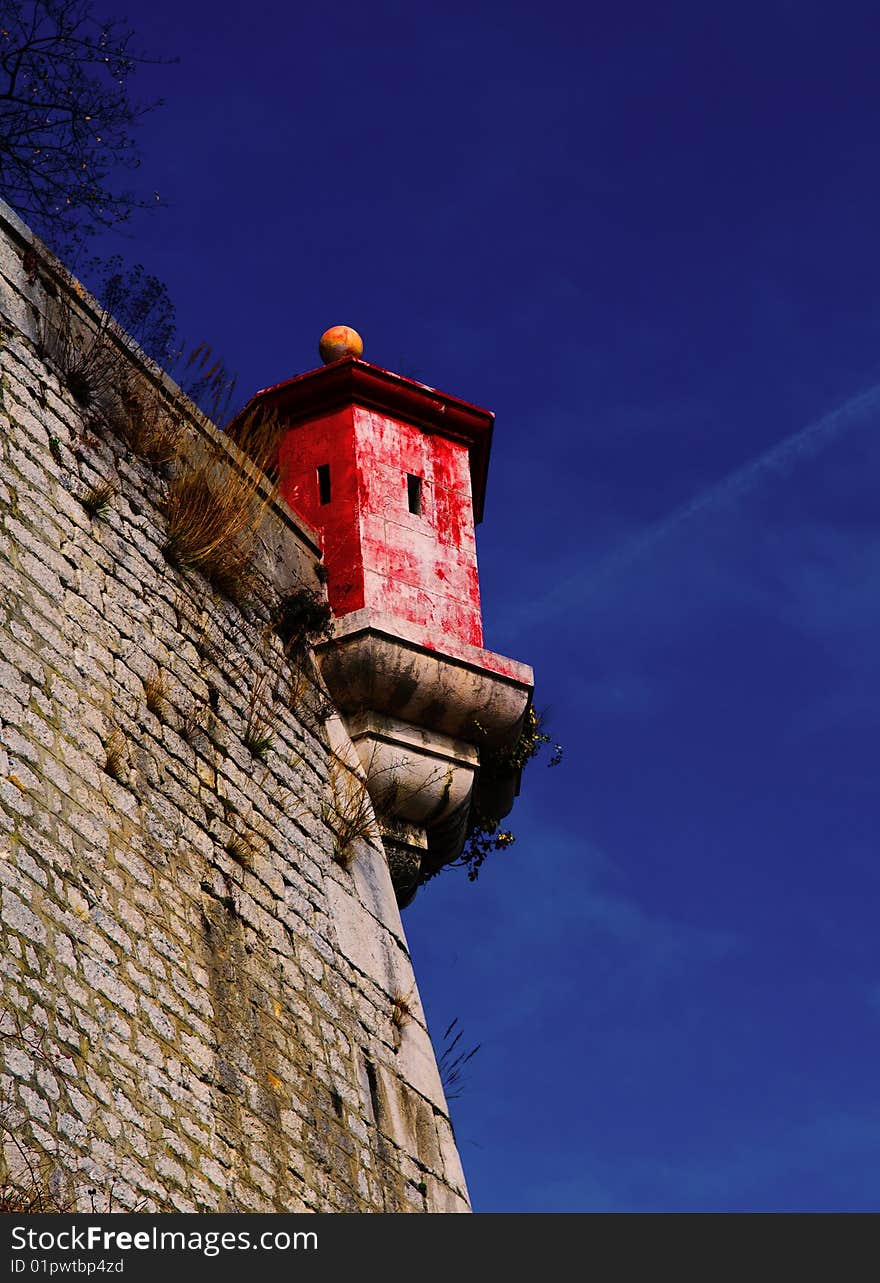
[801,444]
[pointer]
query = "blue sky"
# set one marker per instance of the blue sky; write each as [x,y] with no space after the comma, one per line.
[646,236]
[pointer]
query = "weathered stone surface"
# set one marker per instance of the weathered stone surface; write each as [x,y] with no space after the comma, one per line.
[382,663]
[196,998]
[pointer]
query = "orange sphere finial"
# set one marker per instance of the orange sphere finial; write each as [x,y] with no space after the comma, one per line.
[338,342]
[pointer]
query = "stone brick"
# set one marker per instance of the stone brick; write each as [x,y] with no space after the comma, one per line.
[208,1017]
[18,917]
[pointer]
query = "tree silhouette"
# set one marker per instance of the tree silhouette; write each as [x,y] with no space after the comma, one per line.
[66,117]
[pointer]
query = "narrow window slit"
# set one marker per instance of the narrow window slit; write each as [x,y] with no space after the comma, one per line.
[324,482]
[373,1083]
[414,493]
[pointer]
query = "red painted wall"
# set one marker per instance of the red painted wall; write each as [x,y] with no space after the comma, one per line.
[422,568]
[304,448]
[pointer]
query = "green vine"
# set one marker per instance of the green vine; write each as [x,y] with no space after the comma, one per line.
[528,744]
[486,834]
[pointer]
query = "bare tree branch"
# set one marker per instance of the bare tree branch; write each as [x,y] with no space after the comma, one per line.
[66,118]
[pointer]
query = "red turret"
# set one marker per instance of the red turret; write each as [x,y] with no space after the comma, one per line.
[392,474]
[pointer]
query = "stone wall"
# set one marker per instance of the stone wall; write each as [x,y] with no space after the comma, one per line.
[207,1001]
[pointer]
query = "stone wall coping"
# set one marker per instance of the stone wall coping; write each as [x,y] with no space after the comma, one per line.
[452,650]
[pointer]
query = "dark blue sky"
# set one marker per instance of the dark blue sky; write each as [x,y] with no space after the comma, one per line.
[647,237]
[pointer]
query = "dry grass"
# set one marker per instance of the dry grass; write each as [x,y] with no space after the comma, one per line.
[192,724]
[94,361]
[241,849]
[264,709]
[248,833]
[97,372]
[143,422]
[452,1062]
[159,441]
[214,512]
[349,813]
[401,1010]
[210,527]
[114,754]
[97,498]
[86,358]
[352,810]
[207,381]
[307,696]
[156,694]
